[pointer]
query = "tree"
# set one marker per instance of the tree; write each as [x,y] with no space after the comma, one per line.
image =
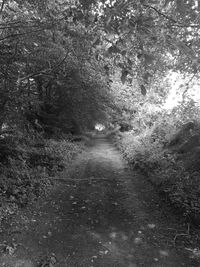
[58,57]
[49,70]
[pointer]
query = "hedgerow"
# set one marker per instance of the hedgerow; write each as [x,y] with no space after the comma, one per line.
[28,172]
[168,156]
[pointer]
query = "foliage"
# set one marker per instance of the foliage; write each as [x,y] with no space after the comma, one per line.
[168,154]
[51,84]
[148,37]
[66,65]
[58,57]
[28,173]
[48,71]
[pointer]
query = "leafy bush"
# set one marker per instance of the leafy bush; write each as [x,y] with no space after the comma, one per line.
[167,153]
[62,151]
[27,173]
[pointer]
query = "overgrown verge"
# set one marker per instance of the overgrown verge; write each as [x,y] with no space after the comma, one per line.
[28,166]
[169,156]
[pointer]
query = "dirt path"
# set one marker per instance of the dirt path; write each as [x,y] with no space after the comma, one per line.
[107,217]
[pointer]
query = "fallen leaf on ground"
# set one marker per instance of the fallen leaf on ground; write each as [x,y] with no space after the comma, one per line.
[164,253]
[137,240]
[151,226]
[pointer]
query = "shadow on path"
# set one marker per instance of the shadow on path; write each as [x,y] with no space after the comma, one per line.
[104,216]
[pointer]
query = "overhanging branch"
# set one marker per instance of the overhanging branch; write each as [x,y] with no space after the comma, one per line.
[2,5]
[177,24]
[161,14]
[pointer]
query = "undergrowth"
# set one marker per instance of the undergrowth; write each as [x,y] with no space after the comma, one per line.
[168,155]
[28,164]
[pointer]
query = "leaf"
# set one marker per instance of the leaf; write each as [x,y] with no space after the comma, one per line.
[183,47]
[121,65]
[86,3]
[95,18]
[108,20]
[11,249]
[107,69]
[151,225]
[122,4]
[113,49]
[149,58]
[153,2]
[146,76]
[167,2]
[143,90]
[132,22]
[96,41]
[138,240]
[123,52]
[180,6]
[130,62]
[124,75]
[139,55]
[79,15]
[97,57]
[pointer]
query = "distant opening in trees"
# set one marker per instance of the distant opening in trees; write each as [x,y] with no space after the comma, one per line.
[99,127]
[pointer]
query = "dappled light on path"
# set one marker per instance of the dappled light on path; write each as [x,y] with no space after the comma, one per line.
[102,216]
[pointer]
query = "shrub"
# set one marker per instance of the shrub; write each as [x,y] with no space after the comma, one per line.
[27,173]
[171,168]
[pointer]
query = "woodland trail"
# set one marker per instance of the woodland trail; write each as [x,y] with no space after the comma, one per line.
[103,216]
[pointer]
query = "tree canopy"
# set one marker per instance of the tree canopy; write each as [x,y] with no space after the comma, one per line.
[58,57]
[66,65]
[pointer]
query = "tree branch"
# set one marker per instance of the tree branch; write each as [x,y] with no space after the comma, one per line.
[19,34]
[36,74]
[177,24]
[2,5]
[60,63]
[161,14]
[45,72]
[187,86]
[19,26]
